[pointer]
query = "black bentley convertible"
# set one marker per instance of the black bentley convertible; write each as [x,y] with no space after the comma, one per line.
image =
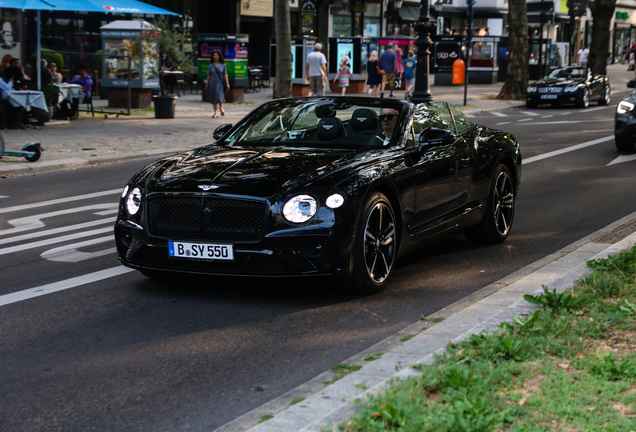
[575,85]
[320,186]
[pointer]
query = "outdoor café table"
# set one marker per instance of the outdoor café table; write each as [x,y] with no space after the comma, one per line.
[171,79]
[70,92]
[24,98]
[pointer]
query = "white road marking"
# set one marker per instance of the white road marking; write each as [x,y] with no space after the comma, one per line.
[70,253]
[54,240]
[503,123]
[568,122]
[498,114]
[622,159]
[60,201]
[599,108]
[548,116]
[566,150]
[530,113]
[4,196]
[524,120]
[32,222]
[52,231]
[63,285]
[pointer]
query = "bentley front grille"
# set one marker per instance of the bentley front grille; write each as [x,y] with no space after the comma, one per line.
[206,218]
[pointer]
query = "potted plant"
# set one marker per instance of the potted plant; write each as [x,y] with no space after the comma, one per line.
[169,48]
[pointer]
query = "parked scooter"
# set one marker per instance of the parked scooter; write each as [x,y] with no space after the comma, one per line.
[30,152]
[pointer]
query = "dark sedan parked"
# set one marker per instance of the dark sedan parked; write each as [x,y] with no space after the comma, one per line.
[573,84]
[320,186]
[625,121]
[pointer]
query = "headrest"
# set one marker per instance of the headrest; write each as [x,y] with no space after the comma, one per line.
[364,119]
[329,129]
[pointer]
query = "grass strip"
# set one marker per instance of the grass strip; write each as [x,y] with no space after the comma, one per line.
[570,366]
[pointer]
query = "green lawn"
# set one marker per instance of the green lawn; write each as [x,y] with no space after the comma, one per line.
[571,366]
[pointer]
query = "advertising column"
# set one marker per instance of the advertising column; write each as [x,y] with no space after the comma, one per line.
[234,49]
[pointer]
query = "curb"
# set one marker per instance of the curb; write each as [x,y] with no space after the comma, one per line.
[482,311]
[65,164]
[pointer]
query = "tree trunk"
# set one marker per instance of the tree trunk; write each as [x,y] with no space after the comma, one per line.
[517,77]
[602,13]
[283,81]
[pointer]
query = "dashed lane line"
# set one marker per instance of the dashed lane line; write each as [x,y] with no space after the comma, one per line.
[566,150]
[59,201]
[63,285]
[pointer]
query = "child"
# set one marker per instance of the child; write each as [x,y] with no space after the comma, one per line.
[343,75]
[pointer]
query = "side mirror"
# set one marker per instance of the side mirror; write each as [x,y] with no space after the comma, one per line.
[435,136]
[632,83]
[220,131]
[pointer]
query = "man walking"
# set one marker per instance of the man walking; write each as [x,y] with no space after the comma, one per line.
[583,53]
[388,66]
[408,73]
[316,71]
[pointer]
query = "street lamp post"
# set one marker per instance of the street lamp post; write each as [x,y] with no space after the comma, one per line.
[423,42]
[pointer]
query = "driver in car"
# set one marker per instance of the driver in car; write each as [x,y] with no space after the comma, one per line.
[388,118]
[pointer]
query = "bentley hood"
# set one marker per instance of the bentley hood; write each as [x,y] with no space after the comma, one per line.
[252,172]
[557,83]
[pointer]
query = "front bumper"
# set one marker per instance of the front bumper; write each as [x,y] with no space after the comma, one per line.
[625,126]
[304,254]
[551,98]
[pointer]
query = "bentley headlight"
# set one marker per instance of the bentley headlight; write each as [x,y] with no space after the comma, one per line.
[300,208]
[532,89]
[134,201]
[624,107]
[571,89]
[334,201]
[124,192]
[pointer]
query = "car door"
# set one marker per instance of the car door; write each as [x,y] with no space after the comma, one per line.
[444,164]
[597,89]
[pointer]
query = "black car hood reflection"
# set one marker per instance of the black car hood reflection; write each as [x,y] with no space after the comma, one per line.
[558,83]
[250,171]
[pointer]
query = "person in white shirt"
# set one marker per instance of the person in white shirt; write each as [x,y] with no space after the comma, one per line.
[316,71]
[583,53]
[5,88]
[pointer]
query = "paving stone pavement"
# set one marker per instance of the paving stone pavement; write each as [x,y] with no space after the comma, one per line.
[90,140]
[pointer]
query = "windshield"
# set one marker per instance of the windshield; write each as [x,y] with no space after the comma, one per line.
[320,123]
[568,73]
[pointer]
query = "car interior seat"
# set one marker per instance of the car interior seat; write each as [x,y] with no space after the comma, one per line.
[329,129]
[364,128]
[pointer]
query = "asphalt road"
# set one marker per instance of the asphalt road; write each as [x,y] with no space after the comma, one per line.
[125,353]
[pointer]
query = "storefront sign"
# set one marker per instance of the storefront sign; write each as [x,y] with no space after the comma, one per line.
[262,8]
[10,39]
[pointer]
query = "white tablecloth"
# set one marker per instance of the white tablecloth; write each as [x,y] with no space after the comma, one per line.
[70,92]
[24,98]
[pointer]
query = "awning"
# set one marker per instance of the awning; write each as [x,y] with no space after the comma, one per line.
[117,6]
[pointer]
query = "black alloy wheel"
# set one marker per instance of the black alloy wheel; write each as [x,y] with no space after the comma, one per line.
[583,99]
[376,246]
[605,100]
[497,222]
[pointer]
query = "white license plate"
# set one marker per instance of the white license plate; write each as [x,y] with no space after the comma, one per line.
[209,251]
[548,96]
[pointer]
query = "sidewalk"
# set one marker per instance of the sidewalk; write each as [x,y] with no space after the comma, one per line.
[322,407]
[90,141]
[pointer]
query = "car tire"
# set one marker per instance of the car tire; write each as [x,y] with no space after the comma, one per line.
[583,99]
[375,246]
[606,99]
[500,210]
[624,145]
[531,104]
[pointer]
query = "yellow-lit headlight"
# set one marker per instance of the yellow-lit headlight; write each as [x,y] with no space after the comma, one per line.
[624,107]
